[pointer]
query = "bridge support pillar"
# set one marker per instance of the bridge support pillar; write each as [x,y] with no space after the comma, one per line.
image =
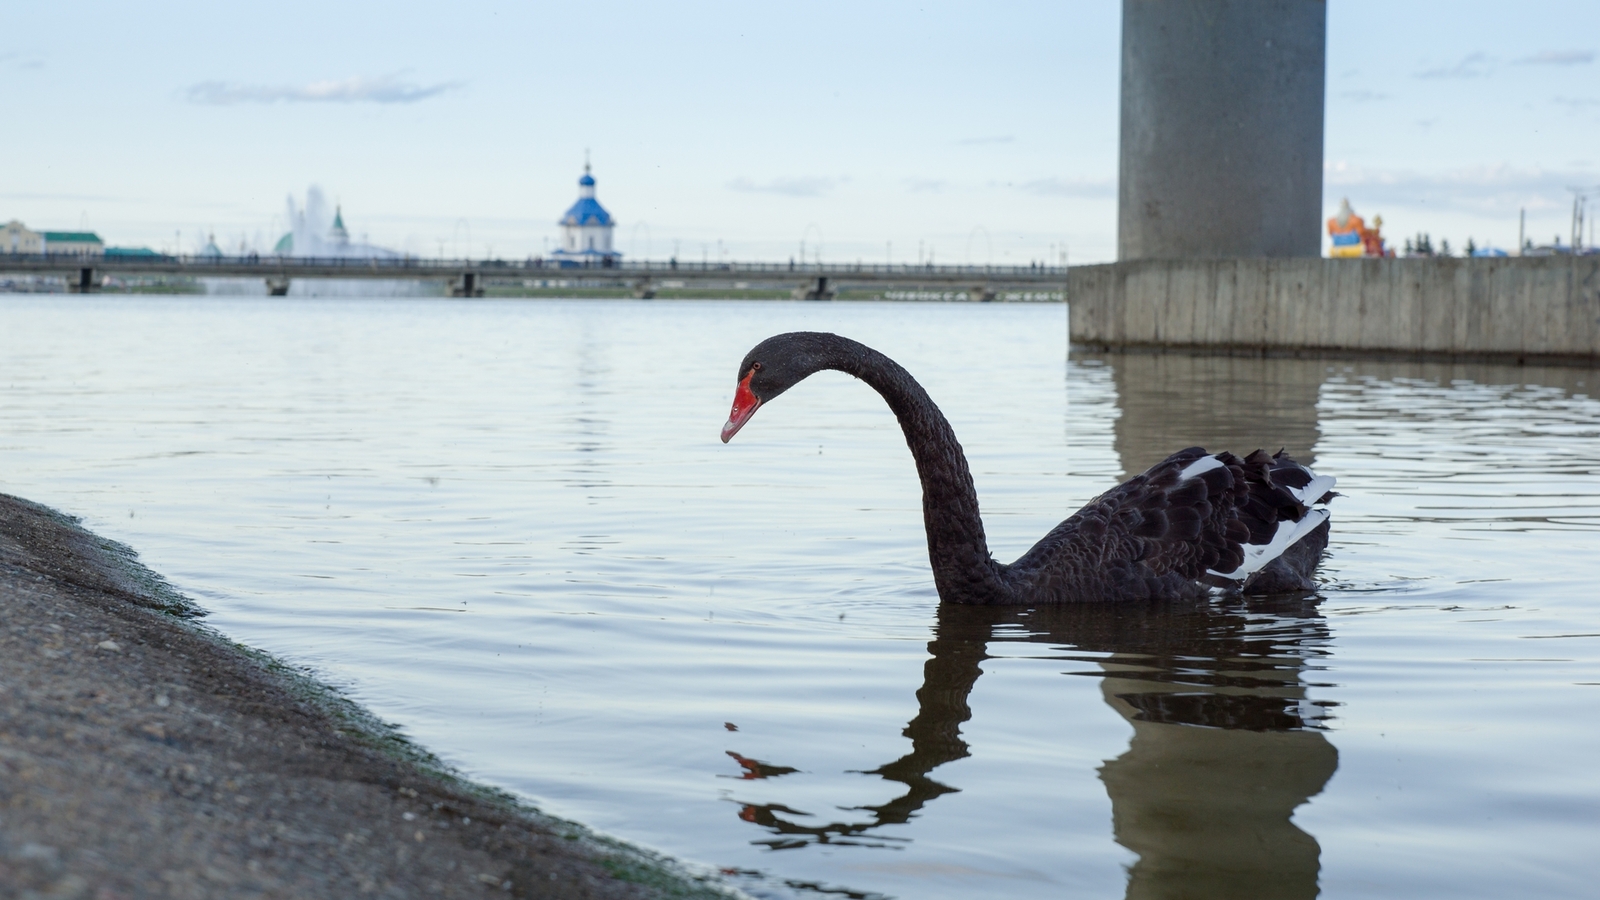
[86,283]
[277,287]
[982,293]
[469,285]
[817,290]
[644,289]
[1222,112]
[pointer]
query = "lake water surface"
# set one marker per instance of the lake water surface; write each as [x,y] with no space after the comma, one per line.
[510,527]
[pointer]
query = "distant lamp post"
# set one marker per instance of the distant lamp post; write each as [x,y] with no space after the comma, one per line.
[816,253]
[988,243]
[633,241]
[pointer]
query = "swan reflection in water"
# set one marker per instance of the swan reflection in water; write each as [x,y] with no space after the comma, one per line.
[1226,743]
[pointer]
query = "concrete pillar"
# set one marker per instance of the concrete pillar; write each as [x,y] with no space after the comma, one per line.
[815,290]
[1221,128]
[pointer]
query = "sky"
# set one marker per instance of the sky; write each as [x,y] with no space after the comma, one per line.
[850,131]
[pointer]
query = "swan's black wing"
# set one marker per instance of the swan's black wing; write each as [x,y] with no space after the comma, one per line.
[1193,521]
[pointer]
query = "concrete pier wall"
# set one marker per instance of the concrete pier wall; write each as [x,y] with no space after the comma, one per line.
[1544,308]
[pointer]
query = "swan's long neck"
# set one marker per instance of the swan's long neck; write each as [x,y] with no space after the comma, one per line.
[963,571]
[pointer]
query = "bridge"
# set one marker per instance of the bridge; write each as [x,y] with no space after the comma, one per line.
[812,281]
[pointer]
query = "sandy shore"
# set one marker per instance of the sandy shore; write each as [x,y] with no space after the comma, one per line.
[142,755]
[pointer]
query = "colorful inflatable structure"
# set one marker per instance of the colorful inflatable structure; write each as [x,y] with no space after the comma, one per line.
[1351,237]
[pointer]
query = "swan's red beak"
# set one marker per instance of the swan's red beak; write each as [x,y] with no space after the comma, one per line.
[744,406]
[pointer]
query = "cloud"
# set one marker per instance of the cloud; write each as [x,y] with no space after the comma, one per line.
[20,61]
[1557,58]
[926,185]
[1363,96]
[1473,65]
[974,141]
[382,89]
[1076,187]
[1579,104]
[798,186]
[1484,190]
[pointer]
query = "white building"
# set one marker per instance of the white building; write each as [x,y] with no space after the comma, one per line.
[73,243]
[586,230]
[16,238]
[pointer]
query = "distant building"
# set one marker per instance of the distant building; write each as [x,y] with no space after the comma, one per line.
[211,250]
[586,230]
[339,235]
[73,243]
[16,238]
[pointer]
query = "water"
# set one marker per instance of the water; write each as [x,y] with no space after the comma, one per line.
[510,527]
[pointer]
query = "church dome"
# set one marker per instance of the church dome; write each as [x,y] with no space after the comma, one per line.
[587,211]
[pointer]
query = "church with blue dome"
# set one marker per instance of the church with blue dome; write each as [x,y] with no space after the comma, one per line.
[586,230]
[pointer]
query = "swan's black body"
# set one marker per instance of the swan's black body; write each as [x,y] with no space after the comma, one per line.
[1192,522]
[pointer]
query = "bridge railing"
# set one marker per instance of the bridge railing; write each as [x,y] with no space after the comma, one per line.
[403,265]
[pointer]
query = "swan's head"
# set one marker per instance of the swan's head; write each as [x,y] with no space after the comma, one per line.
[775,365]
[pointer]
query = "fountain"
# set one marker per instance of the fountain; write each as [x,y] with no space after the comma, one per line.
[313,233]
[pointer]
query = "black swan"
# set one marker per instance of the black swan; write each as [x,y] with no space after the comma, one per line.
[1193,523]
